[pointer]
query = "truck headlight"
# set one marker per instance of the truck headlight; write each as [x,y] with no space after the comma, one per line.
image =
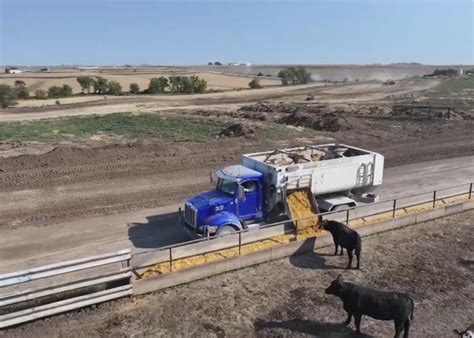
[212,229]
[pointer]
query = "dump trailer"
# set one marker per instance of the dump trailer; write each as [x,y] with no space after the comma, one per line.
[294,183]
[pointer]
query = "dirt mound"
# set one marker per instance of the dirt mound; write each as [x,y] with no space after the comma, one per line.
[241,129]
[276,108]
[260,107]
[290,108]
[324,122]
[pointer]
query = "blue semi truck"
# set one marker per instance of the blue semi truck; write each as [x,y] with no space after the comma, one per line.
[253,193]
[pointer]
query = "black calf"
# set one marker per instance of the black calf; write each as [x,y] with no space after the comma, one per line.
[346,238]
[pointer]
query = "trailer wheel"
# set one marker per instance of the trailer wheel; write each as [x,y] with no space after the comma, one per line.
[225,230]
[340,208]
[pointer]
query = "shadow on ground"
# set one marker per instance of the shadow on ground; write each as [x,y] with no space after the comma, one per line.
[158,231]
[327,330]
[306,258]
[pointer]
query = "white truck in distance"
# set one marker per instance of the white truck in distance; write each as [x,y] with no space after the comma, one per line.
[253,193]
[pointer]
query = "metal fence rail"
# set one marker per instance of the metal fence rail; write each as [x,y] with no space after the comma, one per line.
[382,207]
[32,295]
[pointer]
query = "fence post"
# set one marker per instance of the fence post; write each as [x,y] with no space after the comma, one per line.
[171,261]
[347,217]
[240,243]
[394,207]
[296,229]
[434,198]
[470,191]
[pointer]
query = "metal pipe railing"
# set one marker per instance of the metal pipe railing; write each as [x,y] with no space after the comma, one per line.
[393,209]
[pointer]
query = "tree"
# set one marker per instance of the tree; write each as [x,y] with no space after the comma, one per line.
[101,85]
[176,84]
[188,85]
[66,90]
[286,76]
[86,82]
[157,85]
[41,94]
[134,88]
[55,92]
[260,74]
[114,88]
[198,85]
[7,95]
[209,63]
[294,75]
[217,63]
[302,75]
[20,90]
[255,84]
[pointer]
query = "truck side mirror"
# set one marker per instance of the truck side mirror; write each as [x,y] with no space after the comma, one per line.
[212,177]
[241,193]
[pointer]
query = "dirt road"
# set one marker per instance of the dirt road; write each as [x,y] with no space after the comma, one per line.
[432,261]
[146,229]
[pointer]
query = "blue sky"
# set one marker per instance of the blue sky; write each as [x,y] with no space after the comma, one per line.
[51,32]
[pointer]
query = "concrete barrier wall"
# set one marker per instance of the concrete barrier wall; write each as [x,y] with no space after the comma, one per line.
[294,248]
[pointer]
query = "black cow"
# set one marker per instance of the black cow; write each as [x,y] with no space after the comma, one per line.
[344,237]
[383,305]
[467,333]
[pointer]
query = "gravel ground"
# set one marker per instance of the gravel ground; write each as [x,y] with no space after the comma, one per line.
[433,261]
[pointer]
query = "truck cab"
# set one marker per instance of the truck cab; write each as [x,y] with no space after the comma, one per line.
[234,204]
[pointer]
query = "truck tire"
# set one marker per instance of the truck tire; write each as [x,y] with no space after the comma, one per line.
[225,230]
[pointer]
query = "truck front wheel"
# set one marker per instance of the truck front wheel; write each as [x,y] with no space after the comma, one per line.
[225,230]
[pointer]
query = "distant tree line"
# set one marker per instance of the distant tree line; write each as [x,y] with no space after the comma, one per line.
[101,86]
[157,85]
[176,85]
[294,75]
[443,72]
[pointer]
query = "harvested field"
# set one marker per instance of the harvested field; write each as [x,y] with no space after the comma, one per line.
[126,77]
[431,261]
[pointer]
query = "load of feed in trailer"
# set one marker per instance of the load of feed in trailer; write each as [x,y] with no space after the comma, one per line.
[307,154]
[302,207]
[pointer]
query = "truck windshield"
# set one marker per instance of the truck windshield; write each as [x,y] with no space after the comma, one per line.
[226,186]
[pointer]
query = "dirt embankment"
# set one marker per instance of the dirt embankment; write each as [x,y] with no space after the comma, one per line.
[431,261]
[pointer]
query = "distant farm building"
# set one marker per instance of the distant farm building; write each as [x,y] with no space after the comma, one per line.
[239,64]
[88,67]
[13,70]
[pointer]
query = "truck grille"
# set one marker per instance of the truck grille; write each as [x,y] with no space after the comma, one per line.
[190,215]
